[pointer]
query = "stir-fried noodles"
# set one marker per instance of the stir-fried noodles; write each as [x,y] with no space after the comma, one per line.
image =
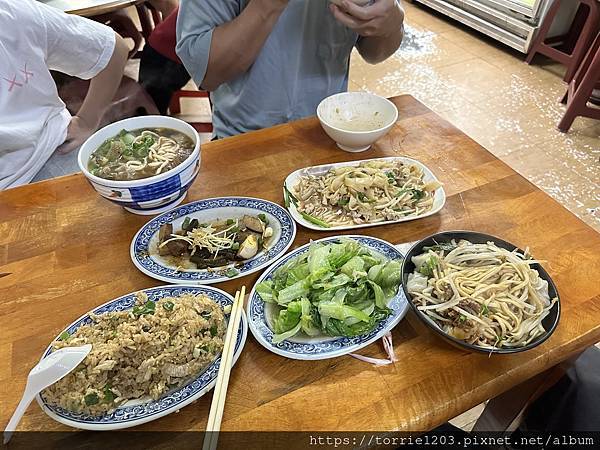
[481,293]
[374,191]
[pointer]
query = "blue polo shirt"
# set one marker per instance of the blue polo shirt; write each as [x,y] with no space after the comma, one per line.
[304,59]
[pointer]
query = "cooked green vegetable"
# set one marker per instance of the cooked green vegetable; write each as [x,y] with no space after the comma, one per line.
[168,305]
[444,246]
[428,266]
[418,194]
[338,289]
[484,309]
[263,218]
[231,272]
[314,220]
[109,395]
[289,197]
[64,336]
[147,308]
[91,399]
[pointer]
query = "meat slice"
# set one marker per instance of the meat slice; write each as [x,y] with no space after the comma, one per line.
[171,248]
[177,247]
[164,233]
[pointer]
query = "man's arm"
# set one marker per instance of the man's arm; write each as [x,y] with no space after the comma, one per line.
[99,96]
[380,25]
[234,45]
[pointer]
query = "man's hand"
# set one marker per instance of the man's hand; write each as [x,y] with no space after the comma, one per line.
[382,18]
[77,133]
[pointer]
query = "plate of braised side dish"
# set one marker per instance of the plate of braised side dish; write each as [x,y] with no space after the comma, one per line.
[213,240]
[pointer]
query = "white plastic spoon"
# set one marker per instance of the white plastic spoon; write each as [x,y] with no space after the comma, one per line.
[48,371]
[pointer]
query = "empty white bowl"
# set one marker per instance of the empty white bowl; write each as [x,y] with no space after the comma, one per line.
[355,120]
[146,196]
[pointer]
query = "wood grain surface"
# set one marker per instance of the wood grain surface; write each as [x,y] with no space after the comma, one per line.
[64,250]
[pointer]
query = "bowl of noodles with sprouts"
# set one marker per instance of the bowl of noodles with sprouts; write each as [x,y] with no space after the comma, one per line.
[145,164]
[480,293]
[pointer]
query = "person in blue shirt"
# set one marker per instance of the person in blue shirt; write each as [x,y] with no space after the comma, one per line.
[267,62]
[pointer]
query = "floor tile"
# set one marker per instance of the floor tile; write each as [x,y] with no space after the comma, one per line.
[431,49]
[467,420]
[420,80]
[477,79]
[578,151]
[576,192]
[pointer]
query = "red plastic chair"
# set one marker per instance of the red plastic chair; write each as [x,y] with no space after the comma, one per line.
[575,43]
[580,89]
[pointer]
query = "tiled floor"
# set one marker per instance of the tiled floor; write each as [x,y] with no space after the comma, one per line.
[487,91]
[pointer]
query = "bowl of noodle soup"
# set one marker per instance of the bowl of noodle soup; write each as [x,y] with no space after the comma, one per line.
[480,293]
[150,162]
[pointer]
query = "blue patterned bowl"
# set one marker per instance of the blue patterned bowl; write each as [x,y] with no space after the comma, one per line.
[141,411]
[151,195]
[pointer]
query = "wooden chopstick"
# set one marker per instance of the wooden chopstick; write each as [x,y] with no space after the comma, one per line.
[220,393]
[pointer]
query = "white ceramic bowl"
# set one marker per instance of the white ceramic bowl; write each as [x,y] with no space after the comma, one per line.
[355,120]
[152,195]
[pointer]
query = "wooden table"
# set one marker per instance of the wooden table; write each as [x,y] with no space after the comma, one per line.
[64,250]
[89,8]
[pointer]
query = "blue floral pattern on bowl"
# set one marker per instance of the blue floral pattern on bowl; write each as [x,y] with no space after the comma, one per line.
[151,266]
[135,414]
[324,347]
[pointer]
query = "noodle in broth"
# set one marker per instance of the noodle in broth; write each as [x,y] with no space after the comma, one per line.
[142,153]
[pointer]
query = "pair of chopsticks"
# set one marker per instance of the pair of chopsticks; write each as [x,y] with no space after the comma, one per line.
[215,416]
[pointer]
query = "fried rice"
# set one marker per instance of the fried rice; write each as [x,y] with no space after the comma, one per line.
[142,352]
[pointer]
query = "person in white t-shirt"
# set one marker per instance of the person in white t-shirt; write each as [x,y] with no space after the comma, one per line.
[34,122]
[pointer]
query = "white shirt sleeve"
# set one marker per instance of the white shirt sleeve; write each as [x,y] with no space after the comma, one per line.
[75,45]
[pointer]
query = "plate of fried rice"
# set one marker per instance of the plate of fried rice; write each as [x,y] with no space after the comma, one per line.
[153,352]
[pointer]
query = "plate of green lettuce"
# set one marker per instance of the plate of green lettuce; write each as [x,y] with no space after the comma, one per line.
[328,298]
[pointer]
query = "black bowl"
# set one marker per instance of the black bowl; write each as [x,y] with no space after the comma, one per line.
[550,321]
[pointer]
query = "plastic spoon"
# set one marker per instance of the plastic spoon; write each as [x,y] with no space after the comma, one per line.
[48,371]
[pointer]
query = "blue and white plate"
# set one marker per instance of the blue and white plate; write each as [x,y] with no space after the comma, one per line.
[321,347]
[140,411]
[144,247]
